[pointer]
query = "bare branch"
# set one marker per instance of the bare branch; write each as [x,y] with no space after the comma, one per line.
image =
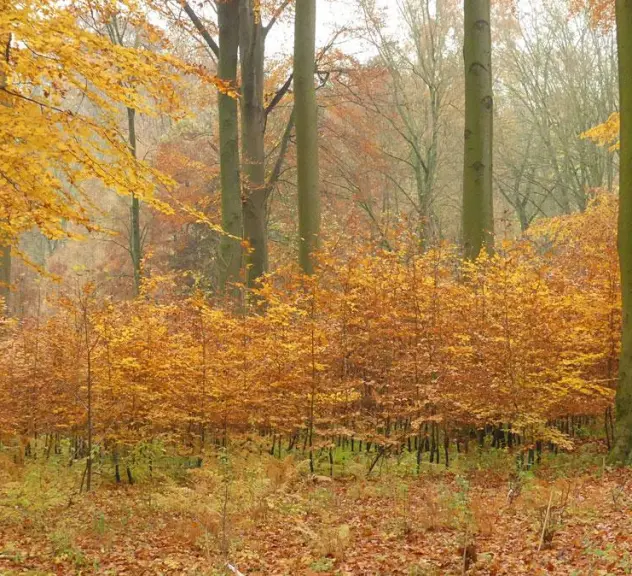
[201,28]
[278,165]
[275,17]
[281,92]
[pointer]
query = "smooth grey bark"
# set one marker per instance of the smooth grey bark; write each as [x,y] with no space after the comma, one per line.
[622,451]
[246,30]
[306,119]
[253,124]
[478,206]
[230,251]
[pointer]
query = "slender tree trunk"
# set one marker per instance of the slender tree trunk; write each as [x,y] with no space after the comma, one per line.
[521,210]
[135,239]
[252,52]
[306,119]
[423,184]
[89,402]
[478,209]
[230,246]
[623,442]
[5,279]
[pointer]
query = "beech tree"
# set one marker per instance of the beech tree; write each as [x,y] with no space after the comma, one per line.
[259,174]
[241,29]
[623,406]
[306,133]
[252,37]
[232,221]
[478,203]
[226,54]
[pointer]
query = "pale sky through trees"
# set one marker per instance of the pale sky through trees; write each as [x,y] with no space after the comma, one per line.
[333,15]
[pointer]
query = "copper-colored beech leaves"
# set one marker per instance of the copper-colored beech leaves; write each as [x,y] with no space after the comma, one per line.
[524,337]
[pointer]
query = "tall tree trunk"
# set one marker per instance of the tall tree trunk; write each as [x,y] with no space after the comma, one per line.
[252,51]
[478,209]
[135,247]
[623,444]
[5,249]
[306,132]
[230,245]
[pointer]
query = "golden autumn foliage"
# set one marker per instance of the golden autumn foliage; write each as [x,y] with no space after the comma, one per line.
[607,133]
[64,89]
[392,347]
[377,338]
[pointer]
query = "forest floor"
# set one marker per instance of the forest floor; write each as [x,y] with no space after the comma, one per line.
[571,515]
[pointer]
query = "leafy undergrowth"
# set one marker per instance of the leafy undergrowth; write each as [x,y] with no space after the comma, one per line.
[269,516]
